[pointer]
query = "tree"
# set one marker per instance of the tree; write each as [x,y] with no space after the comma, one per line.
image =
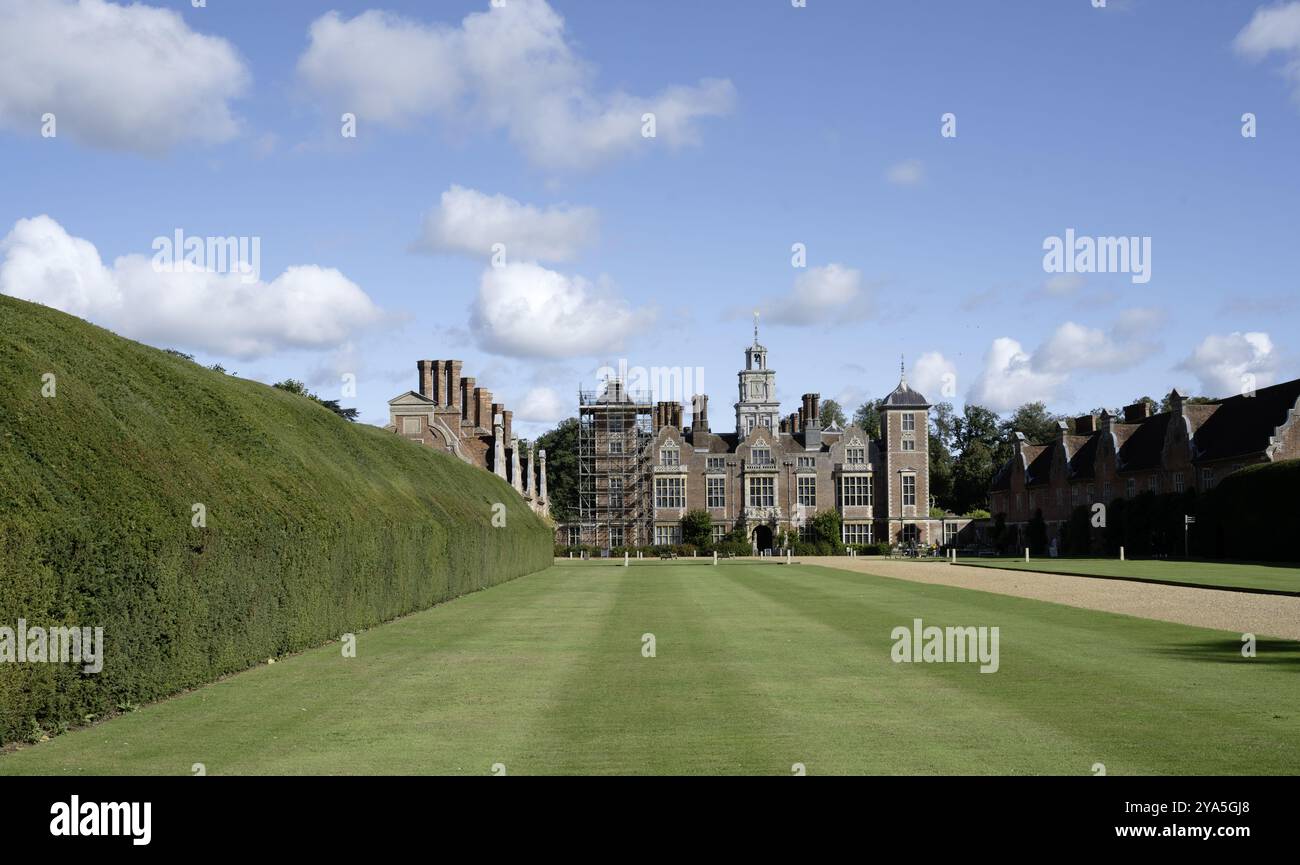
[697,529]
[826,532]
[832,413]
[868,417]
[973,471]
[1034,420]
[561,446]
[292,385]
[942,436]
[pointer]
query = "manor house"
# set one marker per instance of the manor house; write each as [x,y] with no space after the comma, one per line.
[642,467]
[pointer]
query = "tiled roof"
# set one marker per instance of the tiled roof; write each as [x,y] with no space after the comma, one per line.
[1243,424]
[1083,460]
[1039,471]
[1144,446]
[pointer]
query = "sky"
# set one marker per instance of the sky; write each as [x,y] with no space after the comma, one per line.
[881,182]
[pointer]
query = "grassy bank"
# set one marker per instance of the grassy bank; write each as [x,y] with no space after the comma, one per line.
[313,526]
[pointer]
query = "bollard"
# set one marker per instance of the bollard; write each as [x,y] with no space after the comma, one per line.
[1026,554]
[715,558]
[1121,554]
[625,558]
[787,556]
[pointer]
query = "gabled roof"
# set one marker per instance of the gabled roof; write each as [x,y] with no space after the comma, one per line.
[412,398]
[1083,461]
[1039,469]
[1145,446]
[1242,425]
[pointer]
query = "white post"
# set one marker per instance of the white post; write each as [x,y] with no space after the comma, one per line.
[1026,554]
[1121,554]
[625,558]
[787,556]
[715,557]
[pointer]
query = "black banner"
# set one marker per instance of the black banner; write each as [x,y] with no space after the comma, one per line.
[332,815]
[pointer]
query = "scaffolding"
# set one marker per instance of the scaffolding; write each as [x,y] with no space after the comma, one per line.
[615,427]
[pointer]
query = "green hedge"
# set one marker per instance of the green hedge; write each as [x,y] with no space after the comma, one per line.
[1252,514]
[315,527]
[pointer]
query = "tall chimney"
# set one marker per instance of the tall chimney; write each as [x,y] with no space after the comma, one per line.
[453,384]
[509,418]
[426,377]
[438,372]
[1137,412]
[466,398]
[700,413]
[482,408]
[1085,425]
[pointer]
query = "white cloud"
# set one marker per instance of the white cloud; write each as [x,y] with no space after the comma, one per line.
[909,172]
[510,68]
[822,295]
[132,78]
[1010,380]
[1012,376]
[1222,363]
[1272,29]
[525,310]
[470,222]
[306,307]
[934,375]
[542,405]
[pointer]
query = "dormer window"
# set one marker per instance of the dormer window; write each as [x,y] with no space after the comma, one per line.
[670,455]
[761,456]
[855,456]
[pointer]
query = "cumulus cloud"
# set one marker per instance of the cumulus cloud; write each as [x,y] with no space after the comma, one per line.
[909,172]
[526,310]
[822,295]
[1225,364]
[1012,376]
[306,307]
[542,405]
[1274,29]
[133,78]
[470,222]
[510,68]
[1009,379]
[934,375]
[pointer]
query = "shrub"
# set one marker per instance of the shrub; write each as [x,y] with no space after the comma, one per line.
[315,526]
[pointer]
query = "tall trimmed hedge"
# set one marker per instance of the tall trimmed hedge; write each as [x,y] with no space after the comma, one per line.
[314,527]
[1252,514]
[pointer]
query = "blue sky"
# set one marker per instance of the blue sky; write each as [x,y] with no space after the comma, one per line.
[777,126]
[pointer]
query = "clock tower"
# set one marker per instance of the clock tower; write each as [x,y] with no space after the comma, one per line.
[758,406]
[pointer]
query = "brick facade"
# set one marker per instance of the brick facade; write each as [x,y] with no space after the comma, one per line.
[771,475]
[451,413]
[1190,447]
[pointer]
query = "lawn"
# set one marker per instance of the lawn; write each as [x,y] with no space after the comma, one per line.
[757,667]
[1224,575]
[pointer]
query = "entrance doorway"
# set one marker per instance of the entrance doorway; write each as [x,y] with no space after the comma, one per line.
[763,540]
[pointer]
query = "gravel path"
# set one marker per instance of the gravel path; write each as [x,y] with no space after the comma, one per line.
[1271,615]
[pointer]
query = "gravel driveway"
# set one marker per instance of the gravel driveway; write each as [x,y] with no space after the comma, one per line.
[1241,613]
